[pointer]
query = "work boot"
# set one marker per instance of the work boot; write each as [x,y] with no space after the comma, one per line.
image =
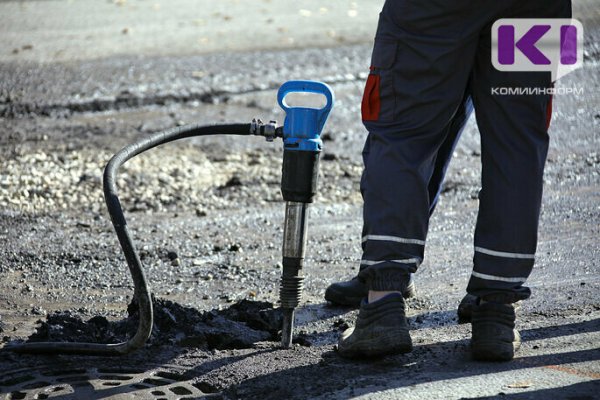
[381,329]
[494,337]
[350,293]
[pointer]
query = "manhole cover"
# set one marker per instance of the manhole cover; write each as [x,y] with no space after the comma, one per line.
[94,383]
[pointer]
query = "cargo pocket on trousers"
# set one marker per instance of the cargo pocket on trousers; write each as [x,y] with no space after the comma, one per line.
[378,100]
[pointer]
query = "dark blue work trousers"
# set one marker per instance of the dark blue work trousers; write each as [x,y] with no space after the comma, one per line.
[431,65]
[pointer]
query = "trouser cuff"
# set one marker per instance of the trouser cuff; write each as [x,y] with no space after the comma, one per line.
[505,298]
[385,279]
[498,291]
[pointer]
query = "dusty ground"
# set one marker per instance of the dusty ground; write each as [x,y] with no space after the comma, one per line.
[207,219]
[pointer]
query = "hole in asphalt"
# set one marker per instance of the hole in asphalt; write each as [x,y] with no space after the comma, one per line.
[236,327]
[206,387]
[169,375]
[116,377]
[180,390]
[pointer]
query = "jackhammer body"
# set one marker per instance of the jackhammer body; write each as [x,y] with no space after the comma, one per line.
[302,147]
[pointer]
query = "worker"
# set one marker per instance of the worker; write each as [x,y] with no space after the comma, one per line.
[431,65]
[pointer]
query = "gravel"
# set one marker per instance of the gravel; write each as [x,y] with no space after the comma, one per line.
[157,181]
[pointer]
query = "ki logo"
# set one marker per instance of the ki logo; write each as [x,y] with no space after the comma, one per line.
[549,44]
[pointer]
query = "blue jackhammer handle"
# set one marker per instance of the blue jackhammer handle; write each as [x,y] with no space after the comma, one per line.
[307,87]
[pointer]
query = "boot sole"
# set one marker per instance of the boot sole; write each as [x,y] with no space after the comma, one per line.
[382,345]
[494,350]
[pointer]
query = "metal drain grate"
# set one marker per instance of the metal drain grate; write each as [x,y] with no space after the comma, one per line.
[94,383]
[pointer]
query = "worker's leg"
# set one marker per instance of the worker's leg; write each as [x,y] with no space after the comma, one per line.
[414,91]
[420,68]
[514,142]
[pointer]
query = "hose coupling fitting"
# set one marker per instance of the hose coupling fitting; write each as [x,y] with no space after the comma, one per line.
[269,130]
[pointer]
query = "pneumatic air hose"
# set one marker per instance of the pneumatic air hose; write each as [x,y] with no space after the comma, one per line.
[141,291]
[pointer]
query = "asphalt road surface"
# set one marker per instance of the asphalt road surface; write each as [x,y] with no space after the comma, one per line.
[78,80]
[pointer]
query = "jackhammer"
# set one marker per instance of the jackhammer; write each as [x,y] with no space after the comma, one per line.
[302,146]
[301,149]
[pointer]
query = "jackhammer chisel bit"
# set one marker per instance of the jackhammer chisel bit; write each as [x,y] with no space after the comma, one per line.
[301,149]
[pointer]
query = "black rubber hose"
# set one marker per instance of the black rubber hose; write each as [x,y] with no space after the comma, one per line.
[141,291]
